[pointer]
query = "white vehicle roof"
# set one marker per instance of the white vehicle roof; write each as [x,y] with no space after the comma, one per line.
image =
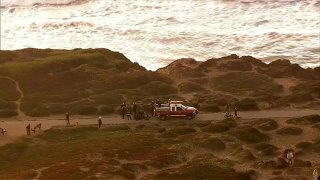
[176,102]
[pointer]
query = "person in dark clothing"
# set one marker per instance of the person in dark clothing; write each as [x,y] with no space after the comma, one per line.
[152,108]
[123,105]
[68,119]
[134,110]
[228,110]
[158,103]
[99,122]
[123,109]
[128,114]
[28,129]
[235,111]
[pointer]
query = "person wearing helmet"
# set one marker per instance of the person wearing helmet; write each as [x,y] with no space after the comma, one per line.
[99,122]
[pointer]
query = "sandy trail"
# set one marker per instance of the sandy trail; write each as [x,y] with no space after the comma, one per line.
[17,129]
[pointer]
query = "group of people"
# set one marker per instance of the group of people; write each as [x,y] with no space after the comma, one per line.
[132,112]
[228,111]
[29,128]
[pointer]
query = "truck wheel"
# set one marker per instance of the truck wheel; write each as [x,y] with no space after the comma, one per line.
[163,118]
[190,116]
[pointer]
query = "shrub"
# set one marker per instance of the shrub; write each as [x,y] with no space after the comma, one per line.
[236,65]
[268,125]
[266,149]
[8,90]
[289,131]
[57,108]
[297,98]
[229,122]
[38,112]
[13,151]
[158,88]
[192,104]
[310,87]
[105,110]
[246,104]
[202,171]
[213,144]
[89,110]
[219,99]
[174,132]
[29,106]
[6,113]
[190,87]
[216,128]
[116,128]
[249,135]
[210,107]
[243,82]
[304,145]
[110,98]
[7,105]
[305,120]
[201,123]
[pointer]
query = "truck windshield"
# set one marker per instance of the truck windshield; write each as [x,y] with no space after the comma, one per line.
[183,107]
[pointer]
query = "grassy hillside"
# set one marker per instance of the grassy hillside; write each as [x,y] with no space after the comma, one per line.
[96,81]
[56,81]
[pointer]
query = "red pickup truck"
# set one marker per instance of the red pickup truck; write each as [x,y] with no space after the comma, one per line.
[175,109]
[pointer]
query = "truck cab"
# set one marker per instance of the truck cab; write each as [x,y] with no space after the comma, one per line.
[175,109]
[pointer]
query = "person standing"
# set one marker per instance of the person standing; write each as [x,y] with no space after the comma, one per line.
[134,110]
[235,111]
[28,129]
[123,109]
[290,157]
[315,175]
[99,122]
[129,114]
[158,103]
[152,108]
[68,118]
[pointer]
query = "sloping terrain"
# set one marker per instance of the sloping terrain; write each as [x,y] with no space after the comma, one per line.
[175,149]
[96,81]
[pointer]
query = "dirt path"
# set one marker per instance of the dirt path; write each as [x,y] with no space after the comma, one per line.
[17,129]
[21,114]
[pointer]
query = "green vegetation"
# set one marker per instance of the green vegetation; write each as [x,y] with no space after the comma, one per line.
[8,90]
[289,131]
[267,124]
[158,88]
[266,149]
[246,104]
[216,128]
[305,145]
[7,105]
[213,144]
[212,107]
[249,134]
[202,171]
[69,76]
[246,82]
[305,120]
[190,87]
[6,113]
[309,87]
[177,131]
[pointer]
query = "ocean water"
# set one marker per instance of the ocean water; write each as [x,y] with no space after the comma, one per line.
[156,32]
